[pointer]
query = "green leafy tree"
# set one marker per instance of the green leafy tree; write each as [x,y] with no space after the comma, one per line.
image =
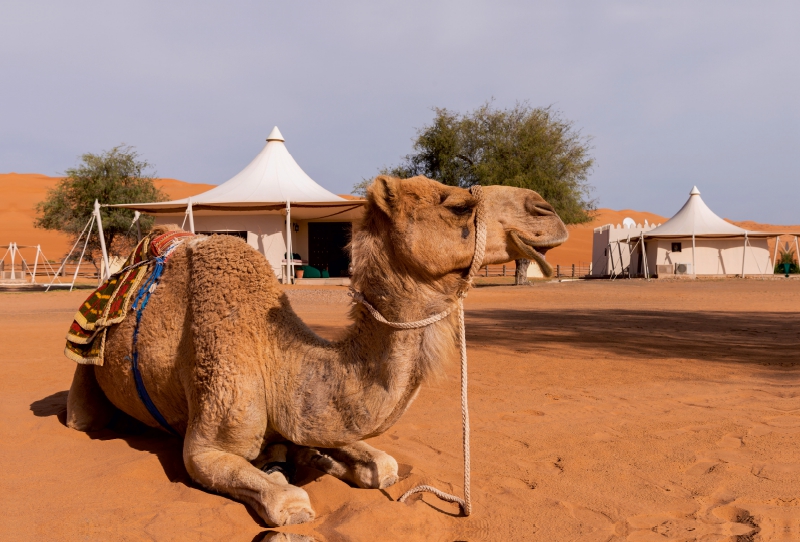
[534,148]
[115,176]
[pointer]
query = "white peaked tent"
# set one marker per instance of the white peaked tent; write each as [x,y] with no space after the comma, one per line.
[695,218]
[702,243]
[268,203]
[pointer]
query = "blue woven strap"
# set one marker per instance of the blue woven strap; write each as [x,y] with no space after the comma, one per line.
[139,304]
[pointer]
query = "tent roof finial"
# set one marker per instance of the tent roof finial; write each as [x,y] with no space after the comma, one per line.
[275,135]
[694,192]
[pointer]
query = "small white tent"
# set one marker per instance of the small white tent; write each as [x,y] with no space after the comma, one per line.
[268,203]
[698,242]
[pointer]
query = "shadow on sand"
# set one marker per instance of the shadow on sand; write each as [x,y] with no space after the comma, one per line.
[138,435]
[763,338]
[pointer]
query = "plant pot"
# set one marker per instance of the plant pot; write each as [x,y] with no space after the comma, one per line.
[786,267]
[299,273]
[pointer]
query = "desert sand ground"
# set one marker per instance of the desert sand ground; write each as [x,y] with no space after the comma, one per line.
[625,410]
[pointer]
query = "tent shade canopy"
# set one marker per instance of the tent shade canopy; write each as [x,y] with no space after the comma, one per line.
[695,219]
[270,181]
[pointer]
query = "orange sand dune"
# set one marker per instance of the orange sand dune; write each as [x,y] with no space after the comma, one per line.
[578,248]
[19,194]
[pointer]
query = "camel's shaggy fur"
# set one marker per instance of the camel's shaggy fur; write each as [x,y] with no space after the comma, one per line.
[231,366]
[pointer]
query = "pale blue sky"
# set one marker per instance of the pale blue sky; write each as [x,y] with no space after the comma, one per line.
[673,93]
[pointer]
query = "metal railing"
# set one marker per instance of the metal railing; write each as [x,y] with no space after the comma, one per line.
[497,270]
[24,271]
[573,271]
[560,271]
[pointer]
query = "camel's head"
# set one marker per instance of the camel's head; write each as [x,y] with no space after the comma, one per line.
[431,227]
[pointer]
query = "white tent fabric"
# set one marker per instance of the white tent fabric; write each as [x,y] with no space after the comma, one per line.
[272,176]
[271,180]
[696,219]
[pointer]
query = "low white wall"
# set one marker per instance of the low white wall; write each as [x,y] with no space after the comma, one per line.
[616,258]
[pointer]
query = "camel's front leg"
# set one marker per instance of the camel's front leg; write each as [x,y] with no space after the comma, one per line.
[271,496]
[359,463]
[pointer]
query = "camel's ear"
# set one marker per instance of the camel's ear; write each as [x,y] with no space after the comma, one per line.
[383,193]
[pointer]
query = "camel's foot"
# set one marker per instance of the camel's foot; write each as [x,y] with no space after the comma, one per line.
[359,463]
[88,409]
[268,493]
[286,506]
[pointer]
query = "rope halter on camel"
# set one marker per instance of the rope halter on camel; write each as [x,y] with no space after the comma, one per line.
[477,259]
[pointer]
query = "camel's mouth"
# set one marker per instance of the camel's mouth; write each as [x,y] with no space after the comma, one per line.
[526,246]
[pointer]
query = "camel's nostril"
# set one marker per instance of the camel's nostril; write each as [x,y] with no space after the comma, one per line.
[538,207]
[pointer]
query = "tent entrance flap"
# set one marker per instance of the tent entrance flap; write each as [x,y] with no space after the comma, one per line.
[327,247]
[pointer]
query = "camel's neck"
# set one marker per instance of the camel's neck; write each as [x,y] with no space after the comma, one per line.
[418,353]
[362,384]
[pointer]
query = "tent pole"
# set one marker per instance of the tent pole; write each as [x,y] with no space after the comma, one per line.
[775,254]
[191,215]
[107,272]
[136,216]
[24,264]
[631,251]
[289,253]
[744,252]
[611,255]
[694,268]
[644,259]
[35,263]
[13,253]
[796,250]
[2,260]
[630,256]
[46,265]
[78,267]
[64,261]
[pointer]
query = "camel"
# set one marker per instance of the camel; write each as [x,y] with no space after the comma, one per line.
[235,371]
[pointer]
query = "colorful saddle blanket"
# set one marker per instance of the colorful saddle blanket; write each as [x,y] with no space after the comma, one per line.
[109,304]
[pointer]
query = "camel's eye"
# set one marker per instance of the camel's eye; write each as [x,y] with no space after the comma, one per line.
[460,210]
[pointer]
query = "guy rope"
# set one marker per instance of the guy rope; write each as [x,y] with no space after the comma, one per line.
[477,259]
